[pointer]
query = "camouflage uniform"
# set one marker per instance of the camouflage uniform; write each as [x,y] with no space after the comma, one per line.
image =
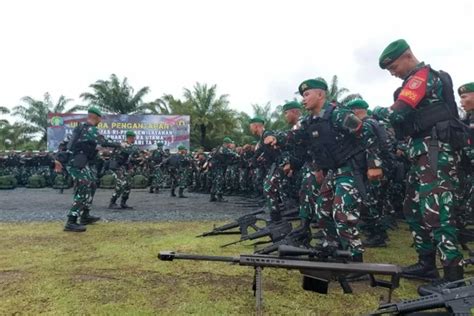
[428,205]
[219,162]
[84,151]
[123,172]
[157,175]
[339,201]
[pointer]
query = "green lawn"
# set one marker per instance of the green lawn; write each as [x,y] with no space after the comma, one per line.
[113,269]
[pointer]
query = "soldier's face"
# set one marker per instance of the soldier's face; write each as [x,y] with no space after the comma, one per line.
[93,119]
[399,68]
[312,99]
[292,116]
[255,128]
[467,101]
[131,139]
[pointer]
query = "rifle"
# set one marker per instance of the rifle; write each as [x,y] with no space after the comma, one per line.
[317,269]
[243,223]
[456,297]
[296,238]
[276,232]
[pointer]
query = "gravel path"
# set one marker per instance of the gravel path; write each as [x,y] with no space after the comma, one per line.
[25,205]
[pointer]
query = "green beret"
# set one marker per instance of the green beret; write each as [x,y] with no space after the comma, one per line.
[130,134]
[292,105]
[95,111]
[160,144]
[182,147]
[257,119]
[466,88]
[380,112]
[357,104]
[309,84]
[392,52]
[227,140]
[254,142]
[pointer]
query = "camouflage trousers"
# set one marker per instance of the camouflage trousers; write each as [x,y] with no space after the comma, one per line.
[308,192]
[271,190]
[157,178]
[217,186]
[179,178]
[377,207]
[338,211]
[85,182]
[429,204]
[122,184]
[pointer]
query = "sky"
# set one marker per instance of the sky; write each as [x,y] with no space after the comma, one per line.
[254,51]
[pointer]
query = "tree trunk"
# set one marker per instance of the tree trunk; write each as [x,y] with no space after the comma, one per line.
[203,135]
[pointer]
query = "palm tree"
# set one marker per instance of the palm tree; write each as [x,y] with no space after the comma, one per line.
[209,112]
[334,92]
[35,113]
[115,96]
[15,136]
[4,110]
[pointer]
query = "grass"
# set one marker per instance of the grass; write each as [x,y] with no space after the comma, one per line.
[113,269]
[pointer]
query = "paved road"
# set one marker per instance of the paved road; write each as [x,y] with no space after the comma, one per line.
[22,204]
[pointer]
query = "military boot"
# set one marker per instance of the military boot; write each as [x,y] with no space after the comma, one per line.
[86,218]
[424,269]
[181,193]
[113,203]
[213,198]
[151,190]
[173,192]
[123,204]
[451,274]
[220,198]
[374,241]
[73,226]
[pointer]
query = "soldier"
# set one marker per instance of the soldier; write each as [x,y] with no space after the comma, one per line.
[466,92]
[178,168]
[83,147]
[218,163]
[268,172]
[156,159]
[340,144]
[423,112]
[376,205]
[121,164]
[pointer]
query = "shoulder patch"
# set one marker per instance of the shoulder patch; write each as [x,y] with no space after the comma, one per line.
[415,89]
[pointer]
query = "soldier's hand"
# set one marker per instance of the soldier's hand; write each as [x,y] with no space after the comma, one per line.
[400,153]
[319,176]
[270,140]
[58,167]
[374,173]
[287,169]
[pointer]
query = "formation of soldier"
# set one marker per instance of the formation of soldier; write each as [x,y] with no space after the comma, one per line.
[347,169]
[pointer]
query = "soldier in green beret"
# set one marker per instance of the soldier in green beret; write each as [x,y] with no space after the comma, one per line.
[83,143]
[221,159]
[423,112]
[156,158]
[334,137]
[121,164]
[466,93]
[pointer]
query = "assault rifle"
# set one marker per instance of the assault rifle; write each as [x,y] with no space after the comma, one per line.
[456,297]
[276,232]
[318,268]
[243,223]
